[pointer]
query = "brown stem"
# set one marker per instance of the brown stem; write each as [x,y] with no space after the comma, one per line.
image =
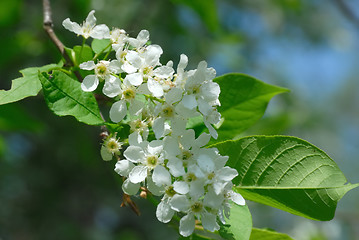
[48,27]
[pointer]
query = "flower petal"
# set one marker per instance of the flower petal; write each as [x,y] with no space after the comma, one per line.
[161,176]
[164,212]
[209,221]
[105,154]
[134,154]
[112,88]
[187,224]
[189,101]
[100,31]
[180,203]
[135,78]
[173,95]
[89,83]
[130,188]
[181,187]
[138,174]
[124,167]
[155,87]
[90,65]
[118,111]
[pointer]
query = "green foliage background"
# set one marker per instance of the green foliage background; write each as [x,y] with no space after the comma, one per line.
[53,183]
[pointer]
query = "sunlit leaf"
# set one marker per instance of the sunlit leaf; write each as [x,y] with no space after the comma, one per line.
[244,100]
[287,173]
[64,96]
[25,86]
[264,234]
[239,224]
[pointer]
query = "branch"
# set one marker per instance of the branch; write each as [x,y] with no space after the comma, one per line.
[48,27]
[348,13]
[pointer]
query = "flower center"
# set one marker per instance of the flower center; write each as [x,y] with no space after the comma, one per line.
[211,176]
[129,94]
[197,207]
[152,161]
[113,145]
[190,177]
[101,70]
[167,112]
[170,191]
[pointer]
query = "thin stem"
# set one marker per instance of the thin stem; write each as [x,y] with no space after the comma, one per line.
[48,27]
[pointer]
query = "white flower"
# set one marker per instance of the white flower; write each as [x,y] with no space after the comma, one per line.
[149,159]
[128,94]
[104,70]
[110,147]
[142,38]
[193,209]
[88,28]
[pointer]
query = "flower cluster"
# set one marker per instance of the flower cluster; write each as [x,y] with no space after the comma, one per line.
[157,101]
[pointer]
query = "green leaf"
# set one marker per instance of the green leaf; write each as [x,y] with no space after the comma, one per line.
[244,100]
[80,54]
[13,117]
[239,224]
[25,86]
[207,10]
[287,173]
[100,45]
[264,234]
[64,96]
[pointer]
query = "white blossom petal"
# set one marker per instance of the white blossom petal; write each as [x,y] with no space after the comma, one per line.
[227,173]
[164,212]
[181,187]
[134,154]
[118,111]
[237,198]
[112,88]
[161,176]
[135,78]
[100,31]
[105,154]
[189,101]
[155,87]
[205,163]
[90,65]
[154,189]
[158,127]
[130,188]
[89,83]
[175,166]
[163,72]
[124,167]
[138,174]
[187,224]
[173,95]
[72,26]
[135,107]
[180,203]
[209,221]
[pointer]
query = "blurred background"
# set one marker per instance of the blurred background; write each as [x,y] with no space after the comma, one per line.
[53,183]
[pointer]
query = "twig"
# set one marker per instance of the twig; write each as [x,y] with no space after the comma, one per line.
[48,27]
[348,13]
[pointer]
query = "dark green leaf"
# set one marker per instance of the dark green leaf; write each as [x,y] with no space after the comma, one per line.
[64,96]
[239,224]
[264,234]
[244,100]
[287,173]
[15,118]
[25,86]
